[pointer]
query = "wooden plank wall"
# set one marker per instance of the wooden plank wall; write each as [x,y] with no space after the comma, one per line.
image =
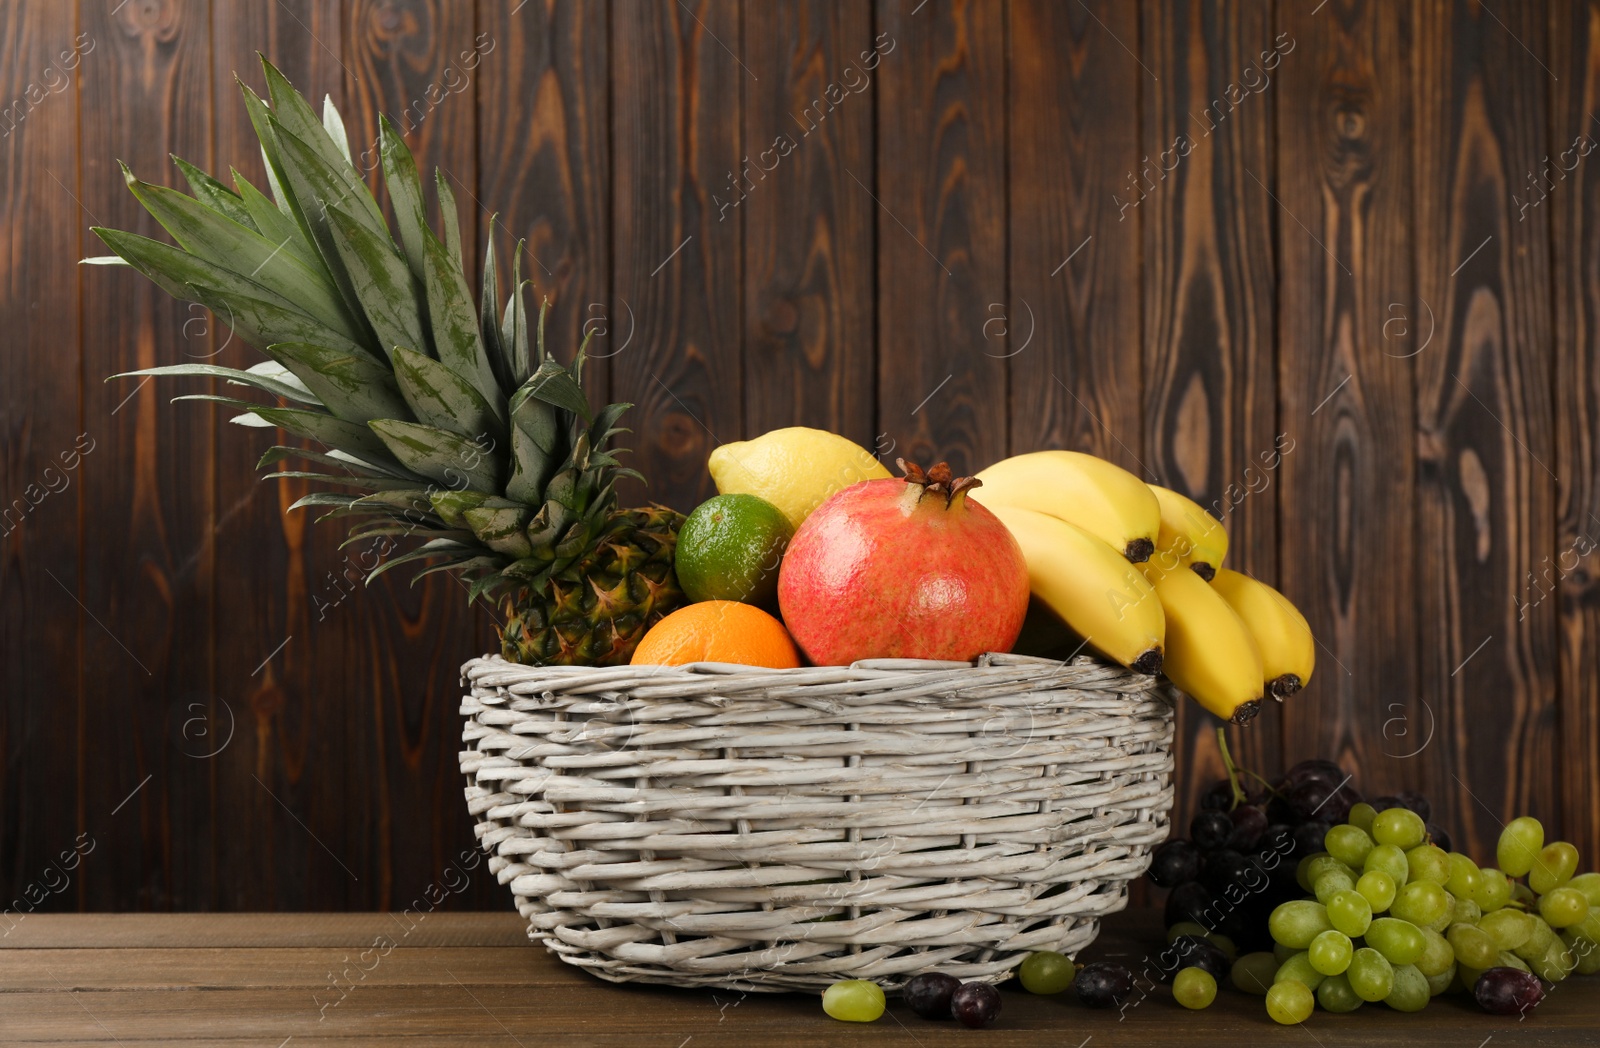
[1330,266]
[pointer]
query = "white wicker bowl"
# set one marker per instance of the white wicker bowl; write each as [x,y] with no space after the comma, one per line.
[753,829]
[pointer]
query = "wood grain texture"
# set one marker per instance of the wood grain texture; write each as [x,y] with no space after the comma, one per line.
[677,92]
[1349,327]
[42,449]
[1211,430]
[941,218]
[150,500]
[808,228]
[1485,487]
[1074,335]
[423,60]
[543,97]
[1572,570]
[133,993]
[268,728]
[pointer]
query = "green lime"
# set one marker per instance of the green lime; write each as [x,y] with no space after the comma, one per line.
[730,549]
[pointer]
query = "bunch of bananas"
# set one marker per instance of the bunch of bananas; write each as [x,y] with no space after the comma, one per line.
[1135,571]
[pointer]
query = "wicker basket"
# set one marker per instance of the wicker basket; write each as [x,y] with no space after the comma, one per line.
[753,829]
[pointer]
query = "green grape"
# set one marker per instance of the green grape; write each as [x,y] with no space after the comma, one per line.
[1519,845]
[1378,888]
[1289,1003]
[1371,975]
[1556,964]
[1437,956]
[1521,893]
[1493,890]
[1553,868]
[1464,910]
[1508,928]
[1508,959]
[1444,921]
[1438,984]
[1046,972]
[1427,862]
[1297,923]
[1538,943]
[1400,827]
[1400,942]
[1332,883]
[1390,860]
[1585,951]
[1223,943]
[1468,977]
[1464,875]
[1302,867]
[1589,885]
[1361,816]
[1348,844]
[1186,928]
[1349,912]
[1281,953]
[1194,988]
[853,1000]
[1254,973]
[1329,953]
[1564,907]
[1420,902]
[1320,864]
[1473,946]
[1298,969]
[1410,990]
[1335,995]
[1589,927]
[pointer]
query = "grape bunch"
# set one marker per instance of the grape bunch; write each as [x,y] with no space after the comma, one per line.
[1318,897]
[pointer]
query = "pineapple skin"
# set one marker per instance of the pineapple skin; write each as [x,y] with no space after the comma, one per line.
[595,612]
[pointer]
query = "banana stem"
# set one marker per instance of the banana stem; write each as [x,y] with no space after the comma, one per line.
[1233,770]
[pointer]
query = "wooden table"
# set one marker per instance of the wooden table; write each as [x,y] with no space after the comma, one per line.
[473,979]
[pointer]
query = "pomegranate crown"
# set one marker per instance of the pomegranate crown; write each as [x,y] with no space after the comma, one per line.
[939,480]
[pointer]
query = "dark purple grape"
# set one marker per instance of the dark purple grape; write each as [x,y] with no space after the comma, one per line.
[1173,863]
[975,1004]
[1191,951]
[928,994]
[1210,830]
[1315,770]
[1103,984]
[1224,867]
[1508,991]
[1439,836]
[1218,796]
[1188,902]
[1414,801]
[1277,837]
[1308,837]
[1249,823]
[1385,802]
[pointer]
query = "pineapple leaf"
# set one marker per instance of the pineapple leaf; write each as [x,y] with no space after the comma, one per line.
[277,180]
[555,385]
[533,444]
[234,248]
[450,506]
[264,322]
[234,375]
[354,386]
[412,503]
[501,528]
[439,455]
[186,276]
[381,281]
[273,223]
[322,498]
[405,193]
[350,437]
[214,194]
[488,299]
[344,480]
[333,123]
[455,321]
[293,114]
[442,398]
[461,567]
[451,219]
[279,453]
[458,552]
[514,326]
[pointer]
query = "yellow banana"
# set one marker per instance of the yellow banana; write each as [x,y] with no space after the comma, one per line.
[1190,534]
[1101,498]
[1288,652]
[1211,654]
[1091,587]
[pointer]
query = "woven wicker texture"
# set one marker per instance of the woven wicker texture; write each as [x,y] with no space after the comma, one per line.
[753,829]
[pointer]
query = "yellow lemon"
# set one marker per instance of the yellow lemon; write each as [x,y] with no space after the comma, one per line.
[795,469]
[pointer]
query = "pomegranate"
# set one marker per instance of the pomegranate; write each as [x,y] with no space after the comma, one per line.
[903,568]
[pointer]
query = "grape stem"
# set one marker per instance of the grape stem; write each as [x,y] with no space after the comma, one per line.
[1233,770]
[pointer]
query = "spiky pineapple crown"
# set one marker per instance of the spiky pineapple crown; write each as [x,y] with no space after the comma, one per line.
[439,421]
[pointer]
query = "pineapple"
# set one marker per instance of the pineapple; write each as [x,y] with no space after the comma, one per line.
[433,416]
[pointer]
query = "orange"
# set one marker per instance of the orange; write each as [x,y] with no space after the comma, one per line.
[718,631]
